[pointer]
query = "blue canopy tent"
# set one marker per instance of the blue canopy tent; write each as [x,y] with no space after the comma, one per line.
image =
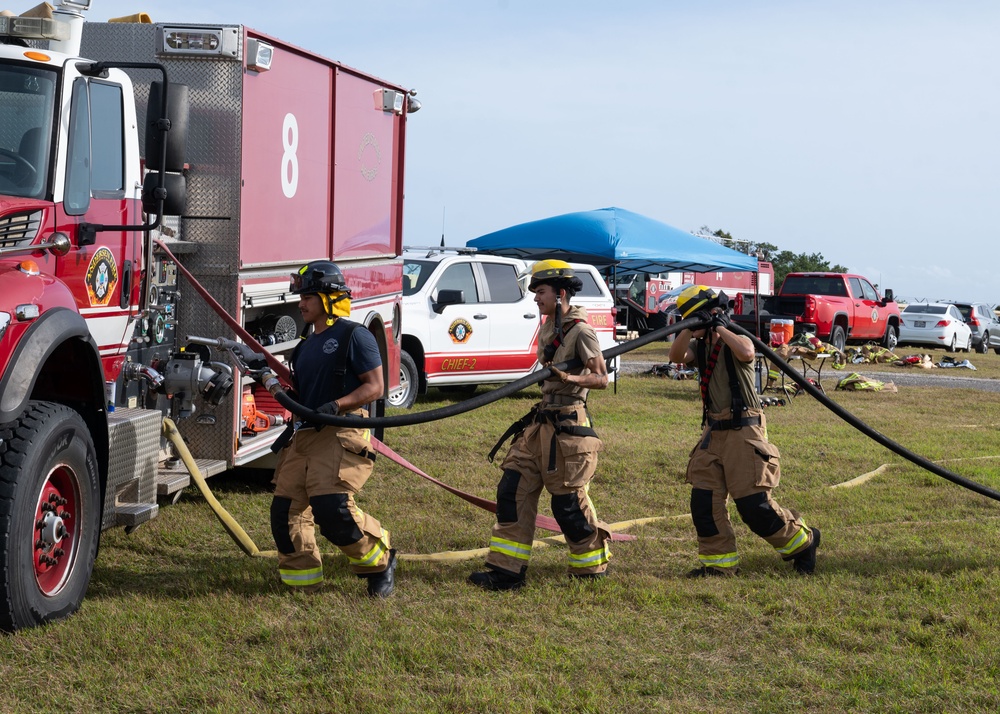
[614,237]
[622,243]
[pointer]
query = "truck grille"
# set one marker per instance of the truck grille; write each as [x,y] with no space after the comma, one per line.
[19,229]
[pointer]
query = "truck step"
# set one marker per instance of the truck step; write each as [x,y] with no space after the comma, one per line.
[131,515]
[174,477]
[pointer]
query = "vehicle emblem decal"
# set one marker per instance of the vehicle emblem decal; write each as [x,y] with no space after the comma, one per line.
[369,156]
[874,315]
[460,331]
[102,277]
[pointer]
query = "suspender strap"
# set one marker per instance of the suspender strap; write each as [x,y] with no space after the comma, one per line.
[705,369]
[737,404]
[340,367]
[549,350]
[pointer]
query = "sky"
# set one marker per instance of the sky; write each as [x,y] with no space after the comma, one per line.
[864,131]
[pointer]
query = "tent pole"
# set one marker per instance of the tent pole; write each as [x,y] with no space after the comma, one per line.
[614,301]
[756,297]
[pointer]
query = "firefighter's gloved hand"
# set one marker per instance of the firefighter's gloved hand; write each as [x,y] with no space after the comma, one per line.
[559,374]
[331,408]
[257,364]
[721,319]
[705,317]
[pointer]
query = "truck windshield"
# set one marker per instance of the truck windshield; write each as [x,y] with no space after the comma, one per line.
[27,105]
[415,274]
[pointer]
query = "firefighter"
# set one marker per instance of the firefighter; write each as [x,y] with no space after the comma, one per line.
[555,445]
[733,456]
[337,369]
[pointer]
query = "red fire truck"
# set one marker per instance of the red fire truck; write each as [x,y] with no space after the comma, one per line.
[644,301]
[214,149]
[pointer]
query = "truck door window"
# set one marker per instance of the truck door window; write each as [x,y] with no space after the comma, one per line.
[77,195]
[458,277]
[502,282]
[868,291]
[107,140]
[590,287]
[27,106]
[856,289]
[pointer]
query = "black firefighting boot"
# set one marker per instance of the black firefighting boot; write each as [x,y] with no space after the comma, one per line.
[496,579]
[381,584]
[706,572]
[804,561]
[589,576]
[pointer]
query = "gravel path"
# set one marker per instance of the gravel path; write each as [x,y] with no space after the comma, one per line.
[907,378]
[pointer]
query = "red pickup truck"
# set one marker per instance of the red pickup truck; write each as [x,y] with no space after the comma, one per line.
[836,307]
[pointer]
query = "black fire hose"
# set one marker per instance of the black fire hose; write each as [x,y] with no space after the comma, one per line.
[690,323]
[482,400]
[861,426]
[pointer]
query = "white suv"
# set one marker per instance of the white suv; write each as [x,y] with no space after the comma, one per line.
[468,319]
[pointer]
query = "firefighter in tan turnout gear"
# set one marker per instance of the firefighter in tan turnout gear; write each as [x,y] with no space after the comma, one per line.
[733,456]
[337,369]
[554,447]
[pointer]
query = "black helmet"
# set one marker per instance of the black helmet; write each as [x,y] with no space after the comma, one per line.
[319,276]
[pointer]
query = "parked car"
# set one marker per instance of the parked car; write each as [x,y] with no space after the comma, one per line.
[984,323]
[934,323]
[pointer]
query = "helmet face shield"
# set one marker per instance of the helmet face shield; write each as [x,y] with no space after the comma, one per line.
[295,282]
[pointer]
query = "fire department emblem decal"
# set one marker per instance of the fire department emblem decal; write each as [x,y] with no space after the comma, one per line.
[369,156]
[102,277]
[330,346]
[460,331]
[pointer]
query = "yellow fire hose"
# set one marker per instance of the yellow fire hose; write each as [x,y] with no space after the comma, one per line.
[234,529]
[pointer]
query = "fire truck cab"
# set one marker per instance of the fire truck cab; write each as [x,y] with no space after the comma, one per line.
[131,152]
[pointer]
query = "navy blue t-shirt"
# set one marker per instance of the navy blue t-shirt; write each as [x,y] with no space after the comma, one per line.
[315,362]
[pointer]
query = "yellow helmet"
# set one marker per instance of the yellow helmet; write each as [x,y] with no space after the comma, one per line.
[697,298]
[557,273]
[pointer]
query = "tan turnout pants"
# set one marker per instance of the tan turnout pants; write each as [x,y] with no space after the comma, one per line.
[566,473]
[320,472]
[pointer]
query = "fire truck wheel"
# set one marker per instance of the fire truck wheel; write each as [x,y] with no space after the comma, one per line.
[409,383]
[50,515]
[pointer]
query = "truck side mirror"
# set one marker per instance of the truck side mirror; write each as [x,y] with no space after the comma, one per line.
[177,113]
[448,297]
[175,201]
[889,297]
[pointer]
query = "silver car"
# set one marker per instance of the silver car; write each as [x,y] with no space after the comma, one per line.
[984,323]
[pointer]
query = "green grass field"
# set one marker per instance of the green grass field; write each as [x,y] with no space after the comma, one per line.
[901,616]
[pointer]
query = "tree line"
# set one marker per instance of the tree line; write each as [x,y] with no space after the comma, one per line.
[783,261]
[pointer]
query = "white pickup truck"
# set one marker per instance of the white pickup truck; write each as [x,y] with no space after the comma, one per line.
[468,319]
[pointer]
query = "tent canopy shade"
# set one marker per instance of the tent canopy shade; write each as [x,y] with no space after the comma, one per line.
[614,237]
